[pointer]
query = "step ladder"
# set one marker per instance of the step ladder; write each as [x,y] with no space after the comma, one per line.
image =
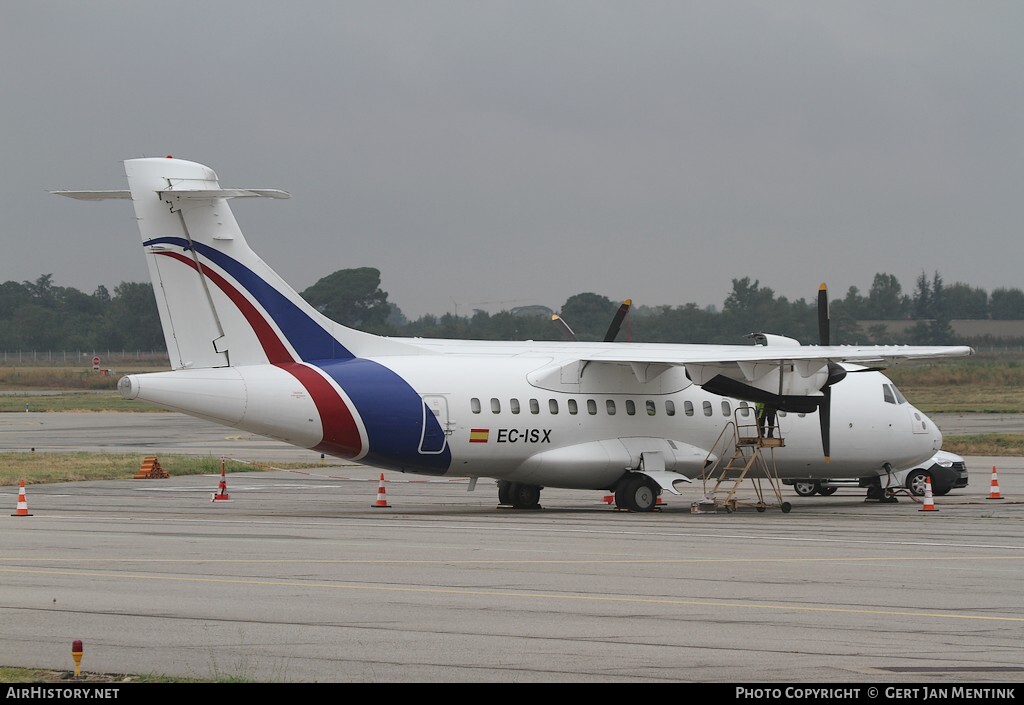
[752,458]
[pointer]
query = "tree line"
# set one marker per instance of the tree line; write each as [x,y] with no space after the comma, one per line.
[39,315]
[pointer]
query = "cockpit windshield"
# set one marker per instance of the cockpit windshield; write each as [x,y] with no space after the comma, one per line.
[892,395]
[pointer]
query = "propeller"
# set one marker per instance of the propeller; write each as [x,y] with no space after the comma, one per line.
[613,329]
[836,373]
[825,407]
[563,327]
[620,316]
[824,334]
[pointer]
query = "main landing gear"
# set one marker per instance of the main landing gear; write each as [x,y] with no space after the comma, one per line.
[518,495]
[637,493]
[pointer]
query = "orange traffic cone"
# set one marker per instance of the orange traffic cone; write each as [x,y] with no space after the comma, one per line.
[994,492]
[609,498]
[929,502]
[382,496]
[22,510]
[221,495]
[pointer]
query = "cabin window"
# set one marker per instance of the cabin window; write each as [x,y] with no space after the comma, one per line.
[609,406]
[591,407]
[688,408]
[553,406]
[474,405]
[513,405]
[744,409]
[670,407]
[726,408]
[534,406]
[573,409]
[631,407]
[495,406]
[707,408]
[652,409]
[887,394]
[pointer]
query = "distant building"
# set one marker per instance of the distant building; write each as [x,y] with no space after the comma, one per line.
[964,329]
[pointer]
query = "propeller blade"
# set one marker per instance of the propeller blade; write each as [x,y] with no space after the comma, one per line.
[620,316]
[825,419]
[836,373]
[563,327]
[823,321]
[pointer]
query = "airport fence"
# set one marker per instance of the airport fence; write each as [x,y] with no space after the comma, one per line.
[86,358]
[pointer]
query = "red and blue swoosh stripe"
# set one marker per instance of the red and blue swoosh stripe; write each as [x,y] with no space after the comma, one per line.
[392,411]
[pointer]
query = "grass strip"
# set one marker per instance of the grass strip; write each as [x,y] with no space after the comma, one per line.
[38,468]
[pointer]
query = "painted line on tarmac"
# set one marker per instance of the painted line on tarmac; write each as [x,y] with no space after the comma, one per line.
[915,614]
[499,561]
[233,488]
[505,528]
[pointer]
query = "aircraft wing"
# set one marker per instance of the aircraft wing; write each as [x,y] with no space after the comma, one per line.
[718,354]
[798,370]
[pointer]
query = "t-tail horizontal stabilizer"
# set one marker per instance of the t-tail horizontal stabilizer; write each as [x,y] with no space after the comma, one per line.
[220,304]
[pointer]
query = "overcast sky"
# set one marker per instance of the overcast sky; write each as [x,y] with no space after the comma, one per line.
[521,152]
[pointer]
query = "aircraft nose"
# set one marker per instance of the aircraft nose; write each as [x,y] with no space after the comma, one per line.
[933,433]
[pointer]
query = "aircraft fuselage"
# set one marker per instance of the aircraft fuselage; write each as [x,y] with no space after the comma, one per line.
[473,415]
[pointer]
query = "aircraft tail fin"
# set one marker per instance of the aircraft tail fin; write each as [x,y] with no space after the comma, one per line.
[220,304]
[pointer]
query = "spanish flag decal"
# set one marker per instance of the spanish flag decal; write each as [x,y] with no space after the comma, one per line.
[478,435]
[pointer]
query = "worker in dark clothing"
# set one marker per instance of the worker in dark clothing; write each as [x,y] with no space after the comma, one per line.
[765,420]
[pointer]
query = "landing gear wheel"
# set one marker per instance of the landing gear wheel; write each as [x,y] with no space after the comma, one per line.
[523,496]
[805,488]
[761,508]
[916,482]
[786,507]
[827,491]
[641,494]
[504,492]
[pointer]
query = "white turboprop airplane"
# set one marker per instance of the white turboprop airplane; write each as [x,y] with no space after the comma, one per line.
[248,352]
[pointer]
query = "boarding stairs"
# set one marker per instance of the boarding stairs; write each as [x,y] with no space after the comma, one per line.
[752,458]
